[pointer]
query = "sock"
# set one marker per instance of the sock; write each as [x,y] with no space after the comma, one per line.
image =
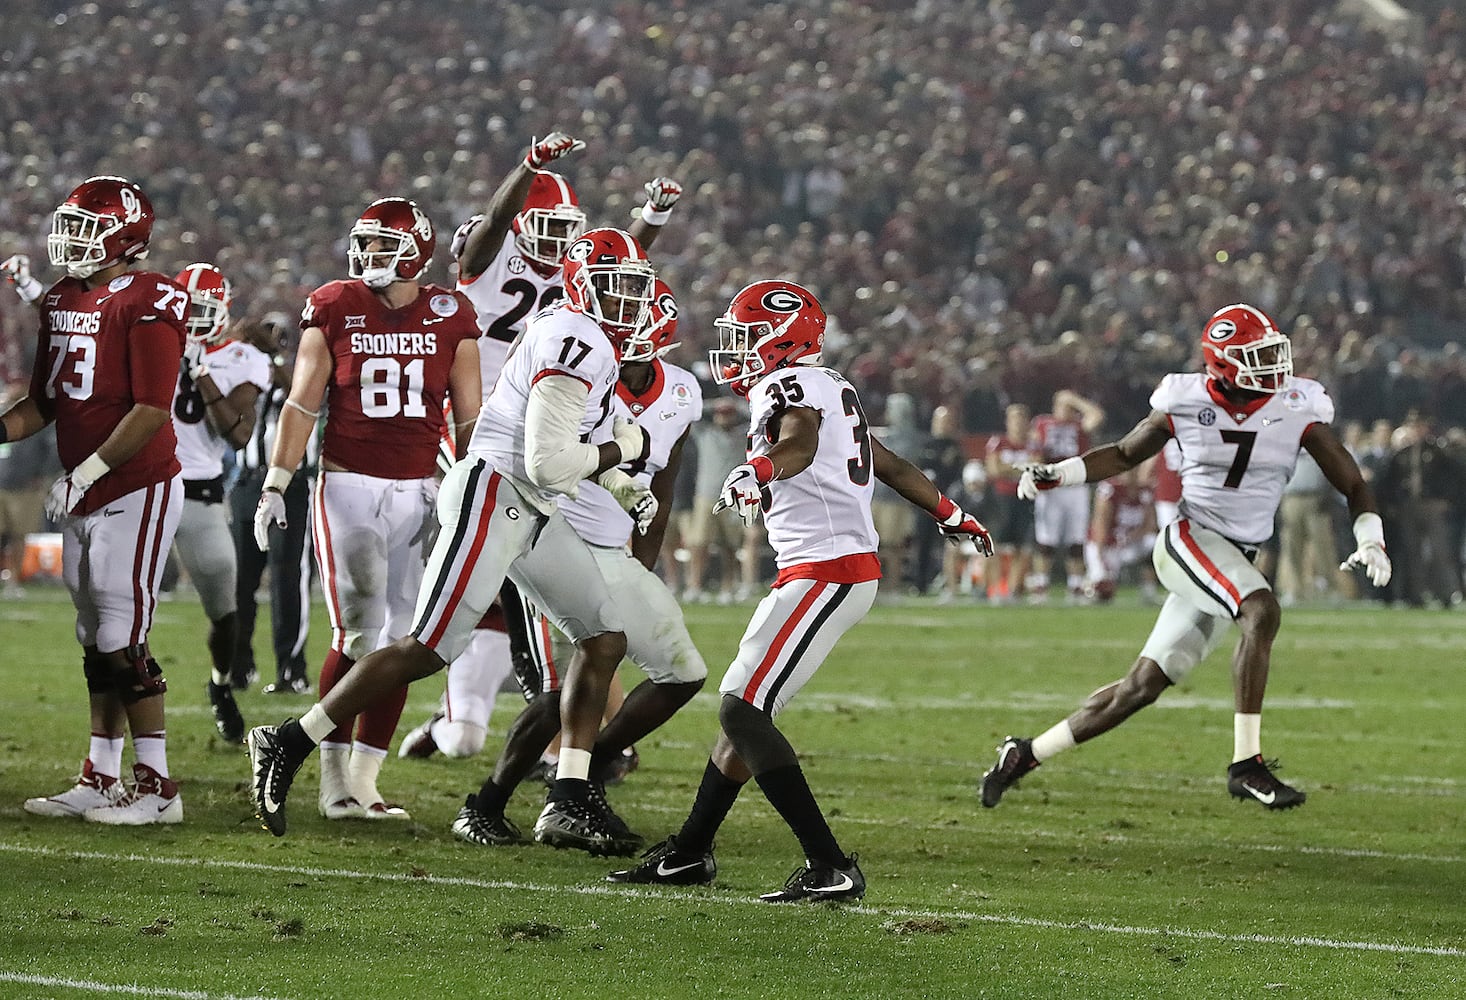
[789,793]
[1246,736]
[376,725]
[492,799]
[1076,583]
[336,665]
[152,750]
[335,772]
[1053,740]
[105,753]
[715,797]
[365,765]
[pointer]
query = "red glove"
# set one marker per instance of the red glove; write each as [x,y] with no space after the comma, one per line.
[957,526]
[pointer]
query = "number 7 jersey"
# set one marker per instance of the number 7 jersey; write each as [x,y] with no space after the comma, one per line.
[823,513]
[1235,461]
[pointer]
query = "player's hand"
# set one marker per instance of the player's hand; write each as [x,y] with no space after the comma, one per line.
[66,492]
[633,440]
[958,527]
[17,271]
[1375,561]
[1038,477]
[270,511]
[193,360]
[549,149]
[742,493]
[662,193]
[644,511]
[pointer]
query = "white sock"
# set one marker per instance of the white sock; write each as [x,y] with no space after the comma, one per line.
[1246,736]
[366,764]
[151,749]
[105,753]
[335,780]
[316,723]
[1054,740]
[573,764]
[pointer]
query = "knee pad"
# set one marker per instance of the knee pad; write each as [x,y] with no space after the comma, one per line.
[459,739]
[140,678]
[98,673]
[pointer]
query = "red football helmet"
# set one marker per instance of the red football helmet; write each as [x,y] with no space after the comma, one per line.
[653,338]
[768,325]
[550,221]
[1244,348]
[104,221]
[407,238]
[210,295]
[608,277]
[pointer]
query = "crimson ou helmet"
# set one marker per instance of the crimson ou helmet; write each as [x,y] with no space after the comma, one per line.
[550,221]
[1244,348]
[407,243]
[654,337]
[210,295]
[768,325]
[608,277]
[104,221]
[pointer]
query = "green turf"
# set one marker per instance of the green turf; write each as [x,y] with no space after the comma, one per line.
[1119,870]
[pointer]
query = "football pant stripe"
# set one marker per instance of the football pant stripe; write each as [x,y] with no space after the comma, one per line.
[787,671]
[776,648]
[1184,560]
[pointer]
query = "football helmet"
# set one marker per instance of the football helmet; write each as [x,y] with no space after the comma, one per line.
[653,337]
[768,325]
[608,277]
[104,221]
[1244,348]
[550,221]
[210,295]
[407,238]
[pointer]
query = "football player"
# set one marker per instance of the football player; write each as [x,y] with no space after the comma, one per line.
[666,400]
[1006,456]
[499,515]
[1061,517]
[811,468]
[381,351]
[213,412]
[1240,426]
[110,343]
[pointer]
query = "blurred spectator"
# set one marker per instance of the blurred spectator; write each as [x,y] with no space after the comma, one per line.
[27,468]
[1010,519]
[721,445]
[1307,557]
[941,458]
[895,518]
[1416,490]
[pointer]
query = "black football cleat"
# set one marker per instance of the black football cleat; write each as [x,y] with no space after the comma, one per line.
[476,826]
[626,841]
[575,823]
[272,770]
[1015,759]
[227,718]
[817,882]
[667,864]
[1254,779]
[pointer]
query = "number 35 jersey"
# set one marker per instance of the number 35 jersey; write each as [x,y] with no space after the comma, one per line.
[1236,461]
[389,375]
[823,513]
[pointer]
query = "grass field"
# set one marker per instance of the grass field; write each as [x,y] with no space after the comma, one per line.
[1122,869]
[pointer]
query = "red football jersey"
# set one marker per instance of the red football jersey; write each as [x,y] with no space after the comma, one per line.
[389,375]
[1057,439]
[102,351]
[1012,453]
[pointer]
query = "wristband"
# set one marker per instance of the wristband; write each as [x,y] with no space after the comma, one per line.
[649,215]
[1369,530]
[91,468]
[945,509]
[30,289]
[763,469]
[1071,471]
[277,479]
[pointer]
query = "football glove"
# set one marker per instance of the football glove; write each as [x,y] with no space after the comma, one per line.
[1046,476]
[271,508]
[742,493]
[17,271]
[549,149]
[661,194]
[633,440]
[193,360]
[634,498]
[66,492]
[957,527]
[1369,536]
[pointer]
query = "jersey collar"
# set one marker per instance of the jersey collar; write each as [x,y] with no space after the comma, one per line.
[1238,412]
[637,402]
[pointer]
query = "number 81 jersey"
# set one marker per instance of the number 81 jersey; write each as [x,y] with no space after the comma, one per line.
[822,513]
[1235,461]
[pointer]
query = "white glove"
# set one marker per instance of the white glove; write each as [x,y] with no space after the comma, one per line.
[661,194]
[634,498]
[741,492]
[631,438]
[193,360]
[1044,476]
[67,491]
[549,149]
[271,508]
[17,270]
[1369,536]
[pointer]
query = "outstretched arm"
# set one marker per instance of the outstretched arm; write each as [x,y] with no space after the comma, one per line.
[913,485]
[1145,439]
[1343,472]
[485,239]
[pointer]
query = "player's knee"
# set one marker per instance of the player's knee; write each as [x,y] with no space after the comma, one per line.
[459,739]
[136,675]
[608,647]
[1260,614]
[97,668]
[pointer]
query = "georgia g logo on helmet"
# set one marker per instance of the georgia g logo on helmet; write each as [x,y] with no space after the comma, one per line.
[1221,330]
[580,250]
[781,300]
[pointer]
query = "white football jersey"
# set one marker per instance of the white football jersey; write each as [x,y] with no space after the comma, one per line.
[1235,461]
[822,513]
[505,296]
[561,340]
[200,450]
[670,405]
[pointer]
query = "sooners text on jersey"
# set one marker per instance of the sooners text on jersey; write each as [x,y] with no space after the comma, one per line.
[102,351]
[389,375]
[1235,461]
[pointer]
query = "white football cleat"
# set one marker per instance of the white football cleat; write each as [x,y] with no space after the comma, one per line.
[343,807]
[90,791]
[153,799]
[381,809]
[419,743]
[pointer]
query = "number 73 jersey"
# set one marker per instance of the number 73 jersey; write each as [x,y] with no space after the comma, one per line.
[822,513]
[1235,461]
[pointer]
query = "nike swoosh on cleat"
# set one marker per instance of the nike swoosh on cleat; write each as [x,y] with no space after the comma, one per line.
[846,882]
[666,872]
[270,804]
[1266,798]
[164,807]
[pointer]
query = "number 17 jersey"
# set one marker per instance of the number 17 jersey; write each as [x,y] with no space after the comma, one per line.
[823,513]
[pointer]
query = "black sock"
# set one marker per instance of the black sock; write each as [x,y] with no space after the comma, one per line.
[492,799]
[788,792]
[567,789]
[294,740]
[715,796]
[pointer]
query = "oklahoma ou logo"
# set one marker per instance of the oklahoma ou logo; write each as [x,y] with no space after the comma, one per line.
[1222,330]
[420,224]
[132,207]
[781,300]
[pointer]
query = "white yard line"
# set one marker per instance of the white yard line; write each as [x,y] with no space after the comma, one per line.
[703,898]
[115,989]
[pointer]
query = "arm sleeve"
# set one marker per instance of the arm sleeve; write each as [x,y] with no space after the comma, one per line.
[154,349]
[554,456]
